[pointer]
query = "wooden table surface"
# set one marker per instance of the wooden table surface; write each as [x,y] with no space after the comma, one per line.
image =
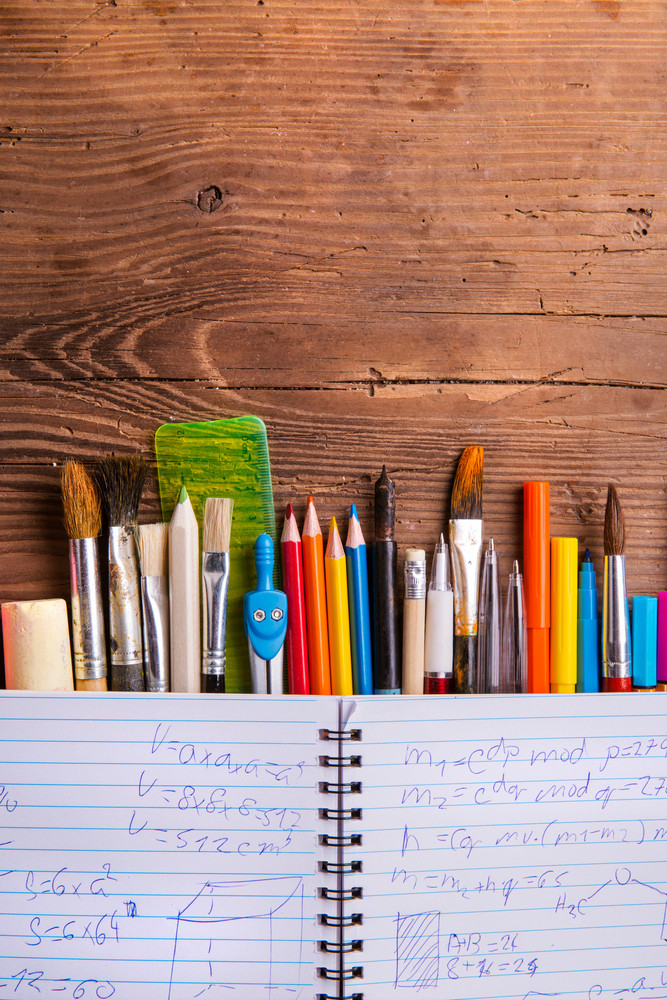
[389,230]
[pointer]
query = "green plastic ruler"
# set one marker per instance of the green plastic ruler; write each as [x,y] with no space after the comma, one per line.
[223,458]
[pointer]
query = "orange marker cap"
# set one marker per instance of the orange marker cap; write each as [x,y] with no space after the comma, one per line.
[536,562]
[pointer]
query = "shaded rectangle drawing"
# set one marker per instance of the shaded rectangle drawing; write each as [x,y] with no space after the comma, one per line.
[417,950]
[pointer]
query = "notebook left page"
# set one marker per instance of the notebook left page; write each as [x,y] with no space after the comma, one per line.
[159,847]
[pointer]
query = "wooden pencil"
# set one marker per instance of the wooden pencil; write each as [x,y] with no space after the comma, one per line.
[358,597]
[296,641]
[338,614]
[184,597]
[316,602]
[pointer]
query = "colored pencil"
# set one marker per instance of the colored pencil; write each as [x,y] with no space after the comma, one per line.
[296,639]
[316,602]
[360,612]
[338,614]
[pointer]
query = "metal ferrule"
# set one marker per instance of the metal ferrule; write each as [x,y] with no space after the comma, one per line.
[414,579]
[266,676]
[215,579]
[125,637]
[155,597]
[465,544]
[90,658]
[616,648]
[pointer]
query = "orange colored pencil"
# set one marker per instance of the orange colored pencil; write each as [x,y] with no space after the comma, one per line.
[316,602]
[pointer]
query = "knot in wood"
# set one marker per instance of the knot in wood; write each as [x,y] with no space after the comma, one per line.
[210,199]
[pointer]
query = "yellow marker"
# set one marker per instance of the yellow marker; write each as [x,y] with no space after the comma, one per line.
[338,615]
[563,615]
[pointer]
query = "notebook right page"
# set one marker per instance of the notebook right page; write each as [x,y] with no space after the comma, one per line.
[514,847]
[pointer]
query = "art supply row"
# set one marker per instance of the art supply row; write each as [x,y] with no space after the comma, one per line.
[338,617]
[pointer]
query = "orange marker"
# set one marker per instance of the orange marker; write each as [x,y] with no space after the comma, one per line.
[316,602]
[338,611]
[537,583]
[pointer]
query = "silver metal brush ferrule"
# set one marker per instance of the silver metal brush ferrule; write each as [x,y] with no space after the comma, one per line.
[616,647]
[155,596]
[465,544]
[125,638]
[215,579]
[90,658]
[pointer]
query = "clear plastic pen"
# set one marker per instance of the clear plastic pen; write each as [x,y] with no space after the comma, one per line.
[489,627]
[514,664]
[439,642]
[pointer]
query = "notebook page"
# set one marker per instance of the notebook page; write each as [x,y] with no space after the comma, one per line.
[514,847]
[159,847]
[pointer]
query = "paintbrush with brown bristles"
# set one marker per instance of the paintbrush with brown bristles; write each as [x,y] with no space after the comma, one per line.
[121,479]
[616,648]
[465,543]
[83,523]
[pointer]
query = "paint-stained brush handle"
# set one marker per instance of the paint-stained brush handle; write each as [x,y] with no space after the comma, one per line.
[464,669]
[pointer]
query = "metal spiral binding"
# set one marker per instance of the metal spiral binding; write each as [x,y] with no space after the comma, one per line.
[339,893]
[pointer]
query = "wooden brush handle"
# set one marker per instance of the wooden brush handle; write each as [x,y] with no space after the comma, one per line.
[464,674]
[94,684]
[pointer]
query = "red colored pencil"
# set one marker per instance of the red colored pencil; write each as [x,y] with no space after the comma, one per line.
[296,643]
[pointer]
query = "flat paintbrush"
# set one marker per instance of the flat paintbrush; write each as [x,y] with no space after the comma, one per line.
[215,588]
[465,542]
[121,480]
[616,648]
[83,523]
[153,545]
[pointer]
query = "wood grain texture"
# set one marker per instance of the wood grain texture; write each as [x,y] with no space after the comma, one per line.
[389,232]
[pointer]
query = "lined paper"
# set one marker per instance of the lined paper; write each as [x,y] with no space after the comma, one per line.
[159,847]
[513,847]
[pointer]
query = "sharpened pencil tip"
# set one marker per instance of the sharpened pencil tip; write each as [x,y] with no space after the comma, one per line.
[353,511]
[289,511]
[183,495]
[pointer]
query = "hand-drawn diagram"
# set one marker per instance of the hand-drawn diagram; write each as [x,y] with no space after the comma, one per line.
[420,953]
[417,950]
[216,924]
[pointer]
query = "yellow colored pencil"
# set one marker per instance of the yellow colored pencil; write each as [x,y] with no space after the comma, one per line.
[340,650]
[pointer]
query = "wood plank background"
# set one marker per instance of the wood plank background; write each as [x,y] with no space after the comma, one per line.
[388,230]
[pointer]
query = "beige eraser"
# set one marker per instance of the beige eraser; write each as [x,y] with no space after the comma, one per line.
[37,648]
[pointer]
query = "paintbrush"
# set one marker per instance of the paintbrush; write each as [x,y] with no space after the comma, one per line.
[83,523]
[616,648]
[153,546]
[215,584]
[465,543]
[121,480]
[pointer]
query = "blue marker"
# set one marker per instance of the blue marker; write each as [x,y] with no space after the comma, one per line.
[360,615]
[265,621]
[588,629]
[644,643]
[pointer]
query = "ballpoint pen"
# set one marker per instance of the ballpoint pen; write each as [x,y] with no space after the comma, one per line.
[489,629]
[514,660]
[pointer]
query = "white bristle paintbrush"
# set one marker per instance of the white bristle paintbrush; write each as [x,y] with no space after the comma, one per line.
[153,546]
[215,584]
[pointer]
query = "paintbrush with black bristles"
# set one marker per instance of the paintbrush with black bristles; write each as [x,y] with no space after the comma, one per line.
[616,646]
[83,523]
[465,544]
[121,479]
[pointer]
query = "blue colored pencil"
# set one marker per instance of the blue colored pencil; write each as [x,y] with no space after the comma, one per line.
[360,616]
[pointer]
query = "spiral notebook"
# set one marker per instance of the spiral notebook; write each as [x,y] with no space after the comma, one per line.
[478,848]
